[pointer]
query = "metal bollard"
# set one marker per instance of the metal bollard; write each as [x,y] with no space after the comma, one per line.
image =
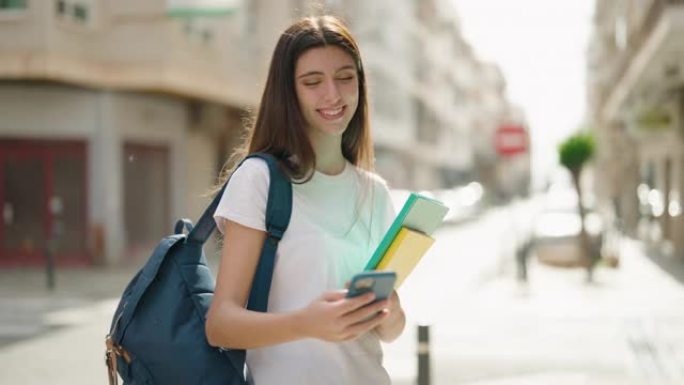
[521,259]
[50,265]
[423,355]
[56,208]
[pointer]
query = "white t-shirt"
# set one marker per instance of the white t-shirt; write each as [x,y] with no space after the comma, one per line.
[336,223]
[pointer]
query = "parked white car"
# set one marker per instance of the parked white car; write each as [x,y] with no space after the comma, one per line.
[556,231]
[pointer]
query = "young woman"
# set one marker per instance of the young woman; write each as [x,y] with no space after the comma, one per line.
[314,118]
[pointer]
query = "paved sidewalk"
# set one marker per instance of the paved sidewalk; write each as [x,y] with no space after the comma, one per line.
[28,308]
[626,329]
[56,337]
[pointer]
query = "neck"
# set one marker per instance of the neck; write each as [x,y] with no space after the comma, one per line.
[328,149]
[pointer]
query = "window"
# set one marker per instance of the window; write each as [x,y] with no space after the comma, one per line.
[80,13]
[61,7]
[621,33]
[12,4]
[426,122]
[77,12]
[198,31]
[252,17]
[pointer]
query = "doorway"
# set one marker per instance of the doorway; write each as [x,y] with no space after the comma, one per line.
[43,200]
[146,197]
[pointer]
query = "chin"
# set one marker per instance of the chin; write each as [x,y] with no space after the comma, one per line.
[336,131]
[333,129]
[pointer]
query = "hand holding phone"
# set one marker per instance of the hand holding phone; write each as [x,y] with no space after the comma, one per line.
[379,282]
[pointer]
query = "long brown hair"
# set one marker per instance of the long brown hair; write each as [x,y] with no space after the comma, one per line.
[279,127]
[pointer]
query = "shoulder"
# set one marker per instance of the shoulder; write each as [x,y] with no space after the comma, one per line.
[374,180]
[252,169]
[381,199]
[378,187]
[245,197]
[250,180]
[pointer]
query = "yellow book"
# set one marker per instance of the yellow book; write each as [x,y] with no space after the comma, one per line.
[403,254]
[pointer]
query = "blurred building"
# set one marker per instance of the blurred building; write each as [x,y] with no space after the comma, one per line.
[114,119]
[412,58]
[437,107]
[636,100]
[500,136]
[115,116]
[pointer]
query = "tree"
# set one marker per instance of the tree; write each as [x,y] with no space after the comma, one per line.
[574,153]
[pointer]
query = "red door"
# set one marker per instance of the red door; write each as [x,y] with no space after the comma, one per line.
[43,202]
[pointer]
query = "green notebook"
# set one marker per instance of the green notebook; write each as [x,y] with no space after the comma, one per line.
[419,213]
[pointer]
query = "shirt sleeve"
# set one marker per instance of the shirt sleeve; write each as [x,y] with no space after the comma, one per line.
[244,199]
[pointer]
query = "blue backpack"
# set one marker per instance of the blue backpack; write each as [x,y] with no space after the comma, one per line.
[157,333]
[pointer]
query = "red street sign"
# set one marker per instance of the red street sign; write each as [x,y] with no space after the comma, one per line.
[510,140]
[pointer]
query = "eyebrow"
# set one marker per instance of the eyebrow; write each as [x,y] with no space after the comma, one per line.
[347,67]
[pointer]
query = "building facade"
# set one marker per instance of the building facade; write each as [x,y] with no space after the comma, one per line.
[636,100]
[114,121]
[436,106]
[116,116]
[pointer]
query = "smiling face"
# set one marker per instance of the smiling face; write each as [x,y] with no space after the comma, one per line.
[327,87]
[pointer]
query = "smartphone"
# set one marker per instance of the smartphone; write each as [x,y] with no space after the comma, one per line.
[379,282]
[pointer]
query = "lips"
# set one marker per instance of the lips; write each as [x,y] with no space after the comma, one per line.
[331,113]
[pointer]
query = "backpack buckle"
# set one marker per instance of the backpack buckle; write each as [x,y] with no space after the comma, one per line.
[275,233]
[114,350]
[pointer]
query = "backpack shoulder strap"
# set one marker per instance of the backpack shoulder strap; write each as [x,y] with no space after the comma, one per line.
[278,207]
[278,212]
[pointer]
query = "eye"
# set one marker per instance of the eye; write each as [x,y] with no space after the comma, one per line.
[311,81]
[346,77]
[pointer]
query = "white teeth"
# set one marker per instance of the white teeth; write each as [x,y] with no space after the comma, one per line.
[331,112]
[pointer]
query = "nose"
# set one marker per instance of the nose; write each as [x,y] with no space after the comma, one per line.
[332,91]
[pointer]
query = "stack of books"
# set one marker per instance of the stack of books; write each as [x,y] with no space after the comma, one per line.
[409,237]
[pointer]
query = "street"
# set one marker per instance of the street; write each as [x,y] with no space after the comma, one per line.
[485,327]
[489,329]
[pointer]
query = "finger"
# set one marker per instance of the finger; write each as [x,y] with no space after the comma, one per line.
[394,301]
[351,304]
[395,297]
[331,296]
[367,325]
[365,312]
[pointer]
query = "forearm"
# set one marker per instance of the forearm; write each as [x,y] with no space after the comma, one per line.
[234,327]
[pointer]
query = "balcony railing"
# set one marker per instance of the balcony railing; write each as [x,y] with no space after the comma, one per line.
[636,39]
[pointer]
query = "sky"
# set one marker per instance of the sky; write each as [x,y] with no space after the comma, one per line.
[540,46]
